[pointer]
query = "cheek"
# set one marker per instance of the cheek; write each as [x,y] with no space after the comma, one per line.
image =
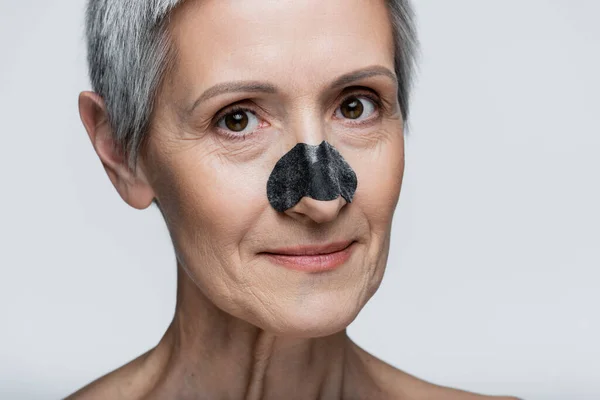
[238,194]
[380,171]
[216,201]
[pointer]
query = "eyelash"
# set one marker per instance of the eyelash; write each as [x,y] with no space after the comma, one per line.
[237,108]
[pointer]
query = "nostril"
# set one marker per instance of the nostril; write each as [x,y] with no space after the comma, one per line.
[318,210]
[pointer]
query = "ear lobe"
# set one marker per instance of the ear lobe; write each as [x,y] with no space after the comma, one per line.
[133,187]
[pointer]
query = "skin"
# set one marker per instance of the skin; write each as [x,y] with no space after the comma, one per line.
[244,327]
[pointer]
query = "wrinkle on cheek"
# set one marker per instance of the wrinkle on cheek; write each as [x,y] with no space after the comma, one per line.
[374,138]
[242,150]
[214,272]
[264,304]
[247,152]
[391,134]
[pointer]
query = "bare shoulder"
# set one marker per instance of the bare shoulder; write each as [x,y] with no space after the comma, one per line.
[426,390]
[432,391]
[122,383]
[402,385]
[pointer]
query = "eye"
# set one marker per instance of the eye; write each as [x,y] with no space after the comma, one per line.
[238,122]
[353,107]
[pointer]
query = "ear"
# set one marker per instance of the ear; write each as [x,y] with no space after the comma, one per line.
[133,186]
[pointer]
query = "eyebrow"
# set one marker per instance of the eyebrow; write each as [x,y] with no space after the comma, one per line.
[266,87]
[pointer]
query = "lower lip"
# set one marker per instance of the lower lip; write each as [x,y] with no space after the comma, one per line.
[314,263]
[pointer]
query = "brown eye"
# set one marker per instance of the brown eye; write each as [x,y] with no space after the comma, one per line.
[352,108]
[236,121]
[358,108]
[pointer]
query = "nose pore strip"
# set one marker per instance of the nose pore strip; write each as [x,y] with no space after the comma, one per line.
[316,171]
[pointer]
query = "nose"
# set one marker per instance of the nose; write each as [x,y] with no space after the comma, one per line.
[316,210]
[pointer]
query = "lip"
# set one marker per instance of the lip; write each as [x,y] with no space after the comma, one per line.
[313,258]
[312,250]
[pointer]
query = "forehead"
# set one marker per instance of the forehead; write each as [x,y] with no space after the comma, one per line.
[296,44]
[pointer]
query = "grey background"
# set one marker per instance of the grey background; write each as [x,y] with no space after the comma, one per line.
[493,275]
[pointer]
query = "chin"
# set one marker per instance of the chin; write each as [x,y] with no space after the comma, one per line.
[313,316]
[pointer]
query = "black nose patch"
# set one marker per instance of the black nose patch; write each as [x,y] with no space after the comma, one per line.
[319,172]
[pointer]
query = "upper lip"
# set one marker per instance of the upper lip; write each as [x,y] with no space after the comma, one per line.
[310,250]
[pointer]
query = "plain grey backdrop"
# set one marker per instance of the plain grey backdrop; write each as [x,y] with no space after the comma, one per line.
[493,277]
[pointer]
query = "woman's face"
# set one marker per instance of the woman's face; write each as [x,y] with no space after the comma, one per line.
[209,170]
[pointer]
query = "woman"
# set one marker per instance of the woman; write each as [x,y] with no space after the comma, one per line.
[271,137]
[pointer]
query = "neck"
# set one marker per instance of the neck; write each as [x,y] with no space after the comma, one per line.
[208,353]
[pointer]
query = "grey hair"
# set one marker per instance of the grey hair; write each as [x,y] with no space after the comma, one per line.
[129,52]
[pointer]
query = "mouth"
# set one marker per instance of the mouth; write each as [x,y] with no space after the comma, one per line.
[312,258]
[311,250]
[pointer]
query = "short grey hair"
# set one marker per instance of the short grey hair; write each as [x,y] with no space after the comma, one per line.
[129,53]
